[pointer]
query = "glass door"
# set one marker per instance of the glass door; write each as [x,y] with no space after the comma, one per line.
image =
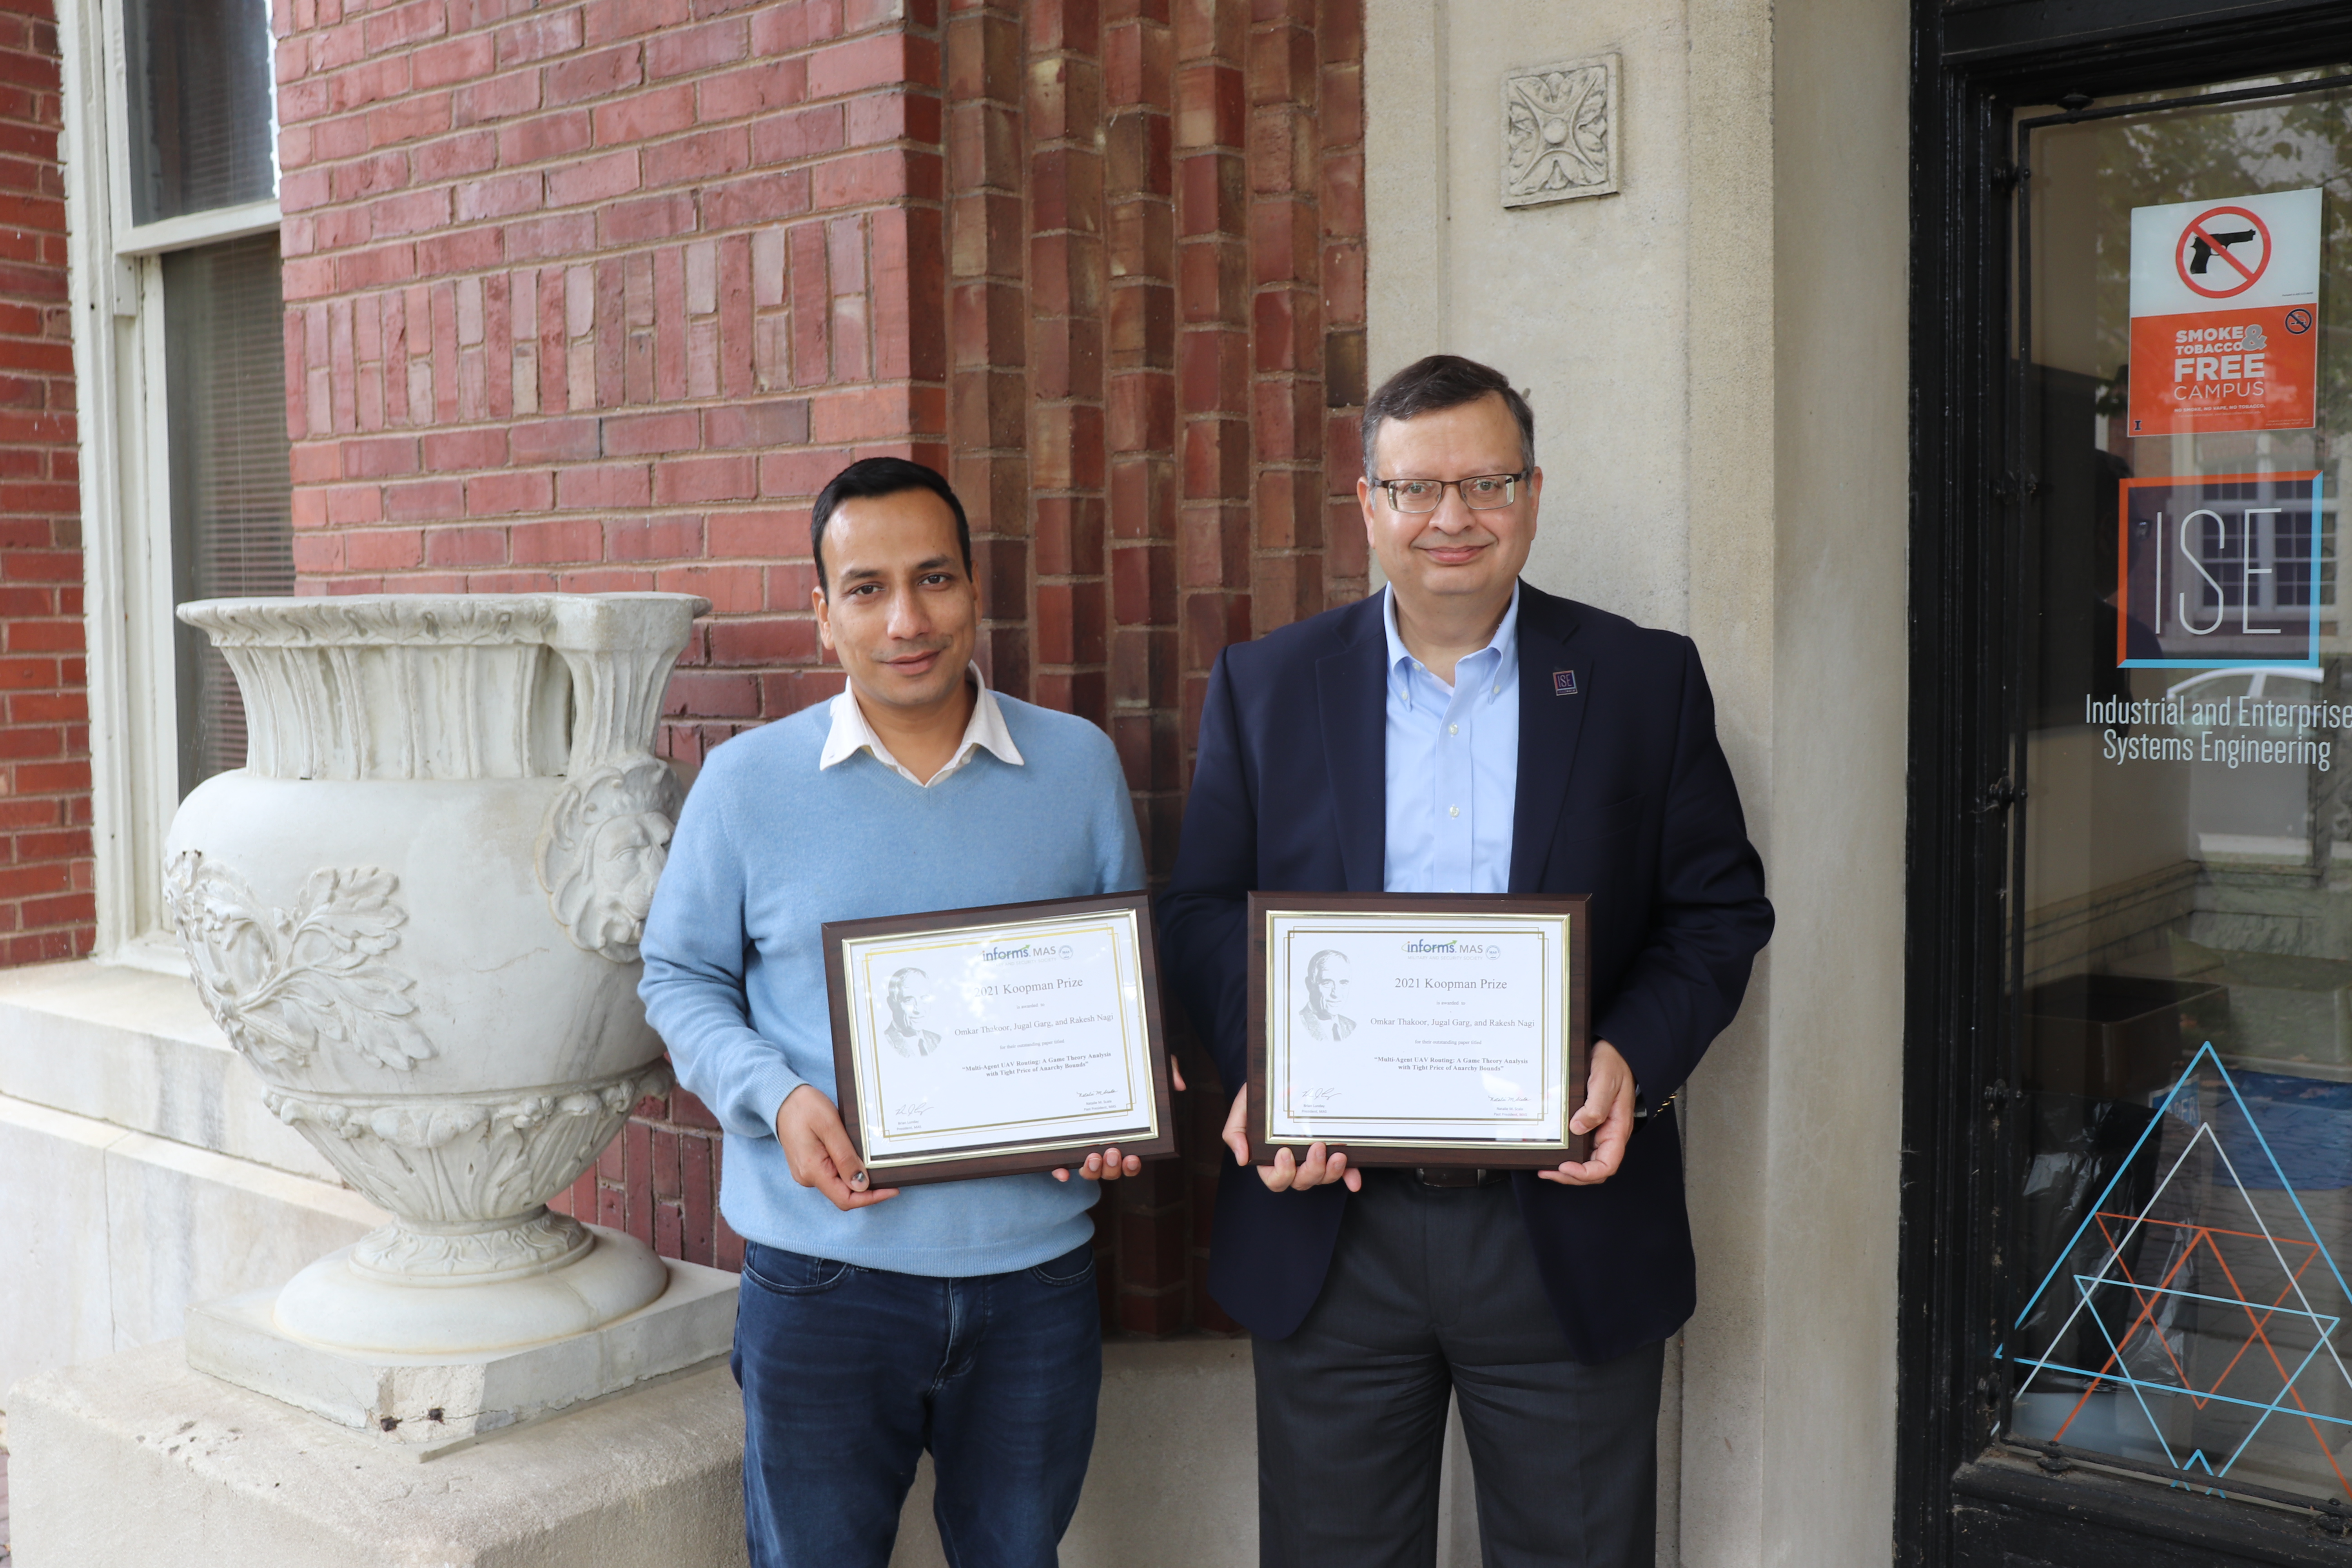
[2179,898]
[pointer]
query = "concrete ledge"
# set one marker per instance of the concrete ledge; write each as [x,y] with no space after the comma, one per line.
[136,1049]
[135,1459]
[112,1233]
[650,1476]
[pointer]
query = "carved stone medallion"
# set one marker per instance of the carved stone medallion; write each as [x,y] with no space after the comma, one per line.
[283,983]
[1560,132]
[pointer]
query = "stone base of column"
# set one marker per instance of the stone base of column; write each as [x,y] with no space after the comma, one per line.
[419,1406]
[134,1458]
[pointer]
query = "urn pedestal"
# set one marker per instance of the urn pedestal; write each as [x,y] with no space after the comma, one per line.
[416,912]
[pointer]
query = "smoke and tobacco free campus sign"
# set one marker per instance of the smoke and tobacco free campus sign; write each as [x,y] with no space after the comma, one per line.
[2225,314]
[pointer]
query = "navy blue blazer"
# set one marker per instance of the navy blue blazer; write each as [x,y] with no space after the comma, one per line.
[1623,793]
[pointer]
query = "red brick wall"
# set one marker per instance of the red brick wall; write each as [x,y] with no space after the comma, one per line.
[597,295]
[1156,273]
[46,871]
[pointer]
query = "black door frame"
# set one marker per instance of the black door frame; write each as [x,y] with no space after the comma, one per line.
[1960,1502]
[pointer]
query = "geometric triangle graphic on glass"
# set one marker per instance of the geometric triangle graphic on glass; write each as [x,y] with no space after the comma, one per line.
[2194,1319]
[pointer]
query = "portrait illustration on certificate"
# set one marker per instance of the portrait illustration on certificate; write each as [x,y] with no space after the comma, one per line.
[1415,1029]
[910,997]
[1324,983]
[967,1043]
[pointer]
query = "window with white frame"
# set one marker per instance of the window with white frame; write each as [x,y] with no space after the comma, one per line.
[172,194]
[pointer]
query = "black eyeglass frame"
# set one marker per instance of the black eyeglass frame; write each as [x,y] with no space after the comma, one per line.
[1511,494]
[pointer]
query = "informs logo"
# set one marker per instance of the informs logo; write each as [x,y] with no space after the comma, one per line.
[1451,947]
[997,953]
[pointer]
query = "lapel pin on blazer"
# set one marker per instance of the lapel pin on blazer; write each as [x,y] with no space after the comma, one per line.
[1563,683]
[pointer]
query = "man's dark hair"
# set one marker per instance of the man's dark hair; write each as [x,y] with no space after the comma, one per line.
[1441,382]
[871,476]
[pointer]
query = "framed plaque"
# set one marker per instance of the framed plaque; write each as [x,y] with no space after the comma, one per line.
[1418,1030]
[988,1042]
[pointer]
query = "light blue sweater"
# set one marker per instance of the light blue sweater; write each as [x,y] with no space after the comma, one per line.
[767,850]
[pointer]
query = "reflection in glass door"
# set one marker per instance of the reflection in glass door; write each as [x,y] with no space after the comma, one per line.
[2182,903]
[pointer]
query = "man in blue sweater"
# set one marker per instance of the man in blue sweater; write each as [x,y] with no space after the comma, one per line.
[959,1316]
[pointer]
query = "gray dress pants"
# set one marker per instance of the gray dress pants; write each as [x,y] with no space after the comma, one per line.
[1434,1290]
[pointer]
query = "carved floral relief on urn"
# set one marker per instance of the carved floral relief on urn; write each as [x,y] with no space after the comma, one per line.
[416,912]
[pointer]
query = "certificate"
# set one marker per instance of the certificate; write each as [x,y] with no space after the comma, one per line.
[986,1042]
[1412,1029]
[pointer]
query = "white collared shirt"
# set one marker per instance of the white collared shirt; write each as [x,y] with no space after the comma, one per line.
[851,734]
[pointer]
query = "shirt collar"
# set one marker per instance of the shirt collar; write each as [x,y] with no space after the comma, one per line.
[851,734]
[1505,643]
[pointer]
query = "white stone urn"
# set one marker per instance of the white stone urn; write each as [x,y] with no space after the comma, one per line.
[416,912]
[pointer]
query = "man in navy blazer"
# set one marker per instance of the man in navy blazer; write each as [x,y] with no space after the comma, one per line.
[1464,731]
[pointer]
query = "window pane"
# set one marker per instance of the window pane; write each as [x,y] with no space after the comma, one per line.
[232,532]
[202,106]
[2185,1195]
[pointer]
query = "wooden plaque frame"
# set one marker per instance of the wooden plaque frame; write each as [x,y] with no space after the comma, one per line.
[1478,1154]
[1013,1157]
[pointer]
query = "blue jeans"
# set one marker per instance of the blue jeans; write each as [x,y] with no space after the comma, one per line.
[849,1373]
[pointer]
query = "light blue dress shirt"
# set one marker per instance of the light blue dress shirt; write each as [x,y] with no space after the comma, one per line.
[1453,765]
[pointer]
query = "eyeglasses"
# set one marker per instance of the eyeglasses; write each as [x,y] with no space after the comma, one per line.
[1481,492]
